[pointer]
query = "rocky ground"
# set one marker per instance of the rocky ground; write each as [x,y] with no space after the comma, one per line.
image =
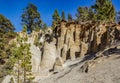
[107,71]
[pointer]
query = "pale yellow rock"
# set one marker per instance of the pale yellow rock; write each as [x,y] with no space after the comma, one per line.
[77,33]
[64,52]
[58,63]
[73,50]
[49,56]
[84,48]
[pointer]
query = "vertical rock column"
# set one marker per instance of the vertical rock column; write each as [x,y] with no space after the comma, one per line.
[77,33]
[61,39]
[71,42]
[49,57]
[64,52]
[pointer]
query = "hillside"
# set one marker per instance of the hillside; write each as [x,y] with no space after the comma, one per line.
[72,47]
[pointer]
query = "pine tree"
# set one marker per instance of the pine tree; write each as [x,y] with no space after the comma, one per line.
[104,10]
[56,19]
[21,59]
[91,15]
[5,24]
[31,17]
[6,34]
[84,14]
[25,57]
[25,62]
[8,65]
[15,59]
[63,15]
[70,18]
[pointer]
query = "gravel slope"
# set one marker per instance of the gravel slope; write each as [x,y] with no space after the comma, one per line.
[108,71]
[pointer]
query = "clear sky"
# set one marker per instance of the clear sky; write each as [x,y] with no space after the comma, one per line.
[12,9]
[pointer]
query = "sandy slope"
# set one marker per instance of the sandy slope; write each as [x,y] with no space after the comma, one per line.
[108,71]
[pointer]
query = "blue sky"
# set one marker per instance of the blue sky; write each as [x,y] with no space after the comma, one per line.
[12,9]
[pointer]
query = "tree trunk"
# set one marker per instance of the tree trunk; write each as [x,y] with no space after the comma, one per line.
[24,76]
[24,71]
[18,73]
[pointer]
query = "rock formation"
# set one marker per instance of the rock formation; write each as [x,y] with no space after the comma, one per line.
[73,40]
[69,41]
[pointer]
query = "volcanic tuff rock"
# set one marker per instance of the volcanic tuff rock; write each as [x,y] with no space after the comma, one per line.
[69,42]
[72,40]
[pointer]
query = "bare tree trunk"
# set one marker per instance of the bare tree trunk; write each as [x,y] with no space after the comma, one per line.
[24,75]
[24,70]
[18,80]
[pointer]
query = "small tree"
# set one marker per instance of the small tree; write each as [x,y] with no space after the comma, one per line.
[26,57]
[56,19]
[63,15]
[84,14]
[70,18]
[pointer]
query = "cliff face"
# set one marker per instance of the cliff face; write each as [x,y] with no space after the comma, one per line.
[74,40]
